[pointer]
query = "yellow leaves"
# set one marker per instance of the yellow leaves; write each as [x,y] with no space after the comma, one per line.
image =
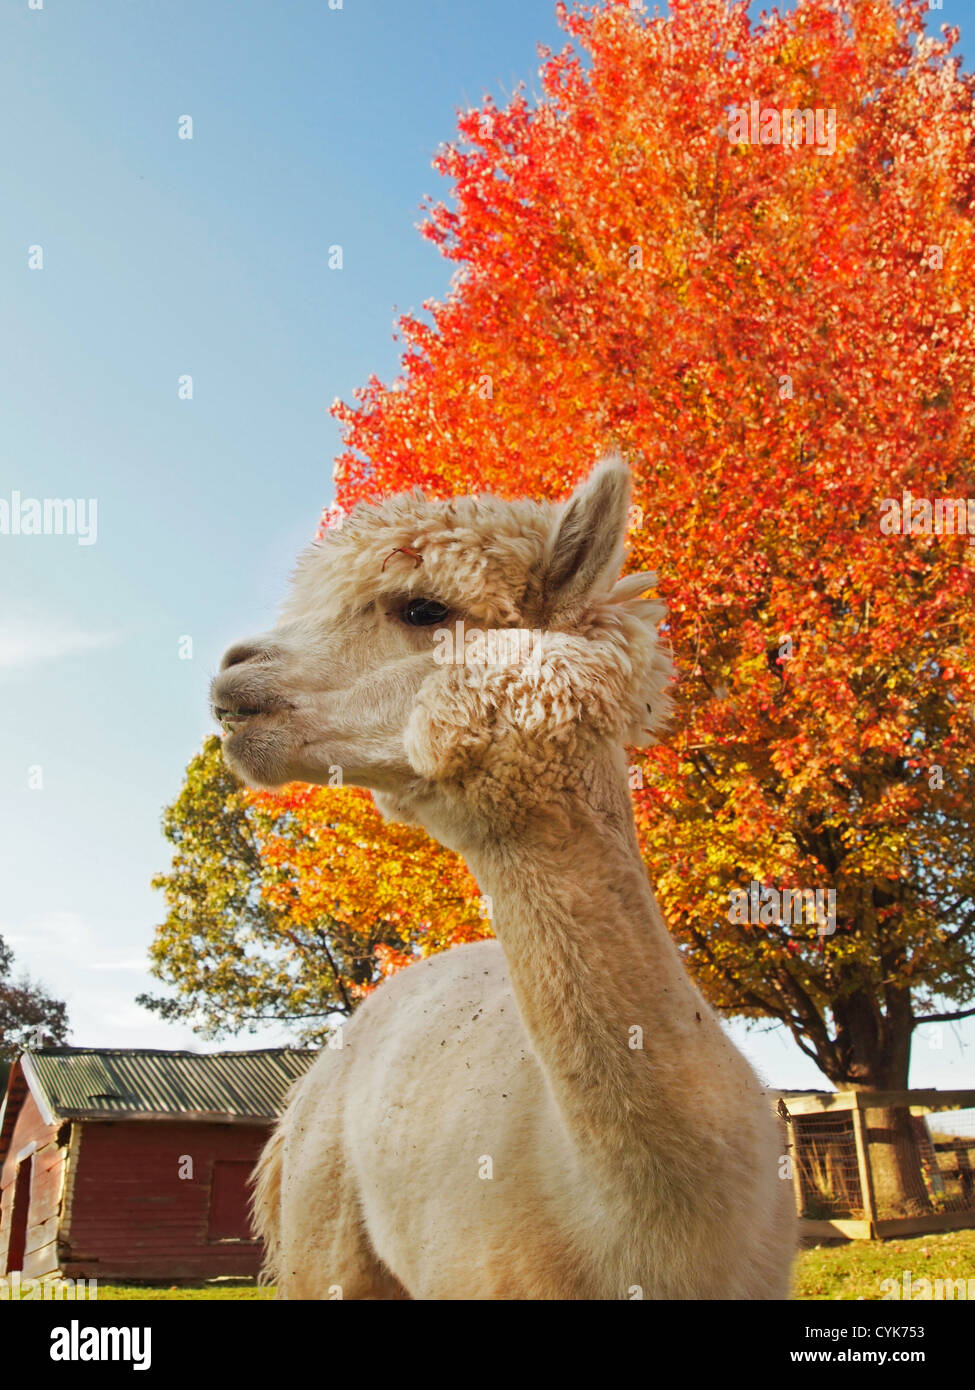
[344,861]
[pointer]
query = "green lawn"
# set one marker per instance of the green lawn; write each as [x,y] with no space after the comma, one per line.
[857,1269]
[232,1292]
[829,1272]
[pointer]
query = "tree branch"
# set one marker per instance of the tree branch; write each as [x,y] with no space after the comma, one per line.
[943,1018]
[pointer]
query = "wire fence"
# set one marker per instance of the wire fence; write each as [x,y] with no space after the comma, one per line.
[883,1162]
[829,1173]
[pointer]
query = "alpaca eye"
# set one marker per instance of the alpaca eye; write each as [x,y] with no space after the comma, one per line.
[423,612]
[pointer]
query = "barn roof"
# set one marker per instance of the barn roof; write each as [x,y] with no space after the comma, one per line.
[142,1083]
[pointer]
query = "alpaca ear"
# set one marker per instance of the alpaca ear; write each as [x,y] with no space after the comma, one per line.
[586,554]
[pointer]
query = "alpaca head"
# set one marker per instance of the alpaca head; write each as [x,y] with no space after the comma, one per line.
[475,648]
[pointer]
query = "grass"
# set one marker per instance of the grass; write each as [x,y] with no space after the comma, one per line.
[858,1268]
[224,1291]
[848,1271]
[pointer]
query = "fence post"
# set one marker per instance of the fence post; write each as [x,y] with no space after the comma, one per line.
[863,1163]
[793,1135]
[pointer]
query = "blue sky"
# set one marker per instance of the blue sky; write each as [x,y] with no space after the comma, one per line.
[209,257]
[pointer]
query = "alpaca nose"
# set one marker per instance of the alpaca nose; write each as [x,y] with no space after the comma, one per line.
[244,651]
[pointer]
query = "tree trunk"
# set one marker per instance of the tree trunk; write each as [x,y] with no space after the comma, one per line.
[876,1051]
[895,1160]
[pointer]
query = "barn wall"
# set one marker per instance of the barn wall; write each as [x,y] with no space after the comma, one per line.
[47,1181]
[132,1216]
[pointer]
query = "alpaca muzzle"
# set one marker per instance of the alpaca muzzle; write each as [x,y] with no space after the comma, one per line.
[237,696]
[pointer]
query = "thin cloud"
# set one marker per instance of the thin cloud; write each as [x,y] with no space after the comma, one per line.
[64,944]
[26,643]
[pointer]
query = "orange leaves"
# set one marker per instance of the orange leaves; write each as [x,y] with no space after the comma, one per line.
[381,885]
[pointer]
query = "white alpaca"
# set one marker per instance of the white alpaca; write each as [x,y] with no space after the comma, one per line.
[556,1113]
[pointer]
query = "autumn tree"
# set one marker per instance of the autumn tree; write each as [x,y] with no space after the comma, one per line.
[290,908]
[780,337]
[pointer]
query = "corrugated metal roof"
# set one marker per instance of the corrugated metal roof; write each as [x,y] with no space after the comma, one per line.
[104,1082]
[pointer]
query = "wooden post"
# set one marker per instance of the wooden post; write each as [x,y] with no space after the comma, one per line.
[790,1131]
[863,1163]
[793,1135]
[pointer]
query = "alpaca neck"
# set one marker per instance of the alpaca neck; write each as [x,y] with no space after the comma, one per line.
[613,1018]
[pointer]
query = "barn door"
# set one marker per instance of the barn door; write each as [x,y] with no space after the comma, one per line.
[17,1244]
[229,1194]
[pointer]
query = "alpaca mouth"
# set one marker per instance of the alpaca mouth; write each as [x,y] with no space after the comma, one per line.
[230,718]
[235,702]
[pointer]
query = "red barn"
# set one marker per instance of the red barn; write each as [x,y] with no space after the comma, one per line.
[133,1165]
